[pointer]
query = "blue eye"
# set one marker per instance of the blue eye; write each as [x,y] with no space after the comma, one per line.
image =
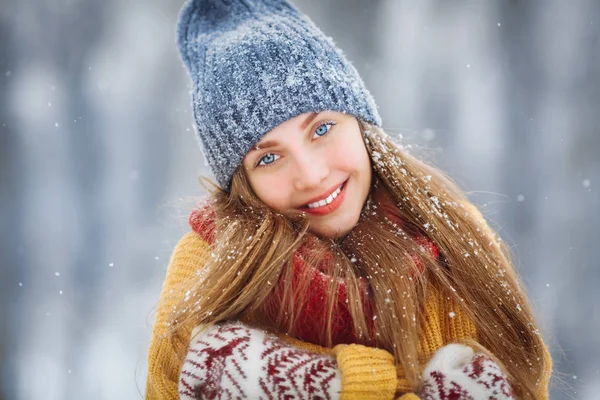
[267,159]
[323,129]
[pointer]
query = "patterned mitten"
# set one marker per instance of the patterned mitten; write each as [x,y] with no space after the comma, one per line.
[235,361]
[456,373]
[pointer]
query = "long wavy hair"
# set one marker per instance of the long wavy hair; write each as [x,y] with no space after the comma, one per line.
[254,246]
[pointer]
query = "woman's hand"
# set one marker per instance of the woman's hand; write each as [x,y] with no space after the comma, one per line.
[233,360]
[456,373]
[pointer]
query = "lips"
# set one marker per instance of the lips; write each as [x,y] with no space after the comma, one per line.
[327,202]
[324,195]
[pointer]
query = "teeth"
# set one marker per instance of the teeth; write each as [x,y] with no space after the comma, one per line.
[326,200]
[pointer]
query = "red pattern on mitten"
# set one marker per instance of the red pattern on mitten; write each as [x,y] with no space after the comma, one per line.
[233,361]
[456,373]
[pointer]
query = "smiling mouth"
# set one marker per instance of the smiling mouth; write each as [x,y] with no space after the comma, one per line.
[326,204]
[326,200]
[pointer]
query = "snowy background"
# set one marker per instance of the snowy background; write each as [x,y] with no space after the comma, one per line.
[99,165]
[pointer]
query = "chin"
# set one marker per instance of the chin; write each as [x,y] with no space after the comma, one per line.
[336,229]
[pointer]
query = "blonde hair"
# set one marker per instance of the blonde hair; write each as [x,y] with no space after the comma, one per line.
[254,247]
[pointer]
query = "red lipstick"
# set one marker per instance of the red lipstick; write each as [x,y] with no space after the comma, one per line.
[328,208]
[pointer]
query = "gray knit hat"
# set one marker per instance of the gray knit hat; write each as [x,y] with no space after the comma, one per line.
[255,64]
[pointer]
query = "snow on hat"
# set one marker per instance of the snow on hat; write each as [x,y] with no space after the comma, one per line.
[255,64]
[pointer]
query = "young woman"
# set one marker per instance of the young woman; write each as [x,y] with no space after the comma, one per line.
[328,262]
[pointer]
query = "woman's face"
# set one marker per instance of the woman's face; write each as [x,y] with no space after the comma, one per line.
[314,163]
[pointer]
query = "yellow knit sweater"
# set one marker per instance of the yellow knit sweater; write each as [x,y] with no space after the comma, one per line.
[445,323]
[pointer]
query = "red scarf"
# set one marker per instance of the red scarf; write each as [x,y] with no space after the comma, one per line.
[312,314]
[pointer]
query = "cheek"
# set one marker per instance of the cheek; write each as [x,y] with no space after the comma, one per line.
[273,191]
[349,155]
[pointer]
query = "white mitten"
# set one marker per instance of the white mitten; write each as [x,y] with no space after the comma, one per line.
[456,373]
[235,361]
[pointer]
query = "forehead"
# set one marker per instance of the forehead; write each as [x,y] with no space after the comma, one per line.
[296,124]
[299,122]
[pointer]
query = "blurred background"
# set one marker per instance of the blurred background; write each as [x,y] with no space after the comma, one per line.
[99,165]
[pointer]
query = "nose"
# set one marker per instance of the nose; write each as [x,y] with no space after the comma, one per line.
[311,170]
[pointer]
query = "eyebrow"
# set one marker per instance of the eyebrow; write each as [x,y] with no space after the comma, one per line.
[264,145]
[271,143]
[308,120]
